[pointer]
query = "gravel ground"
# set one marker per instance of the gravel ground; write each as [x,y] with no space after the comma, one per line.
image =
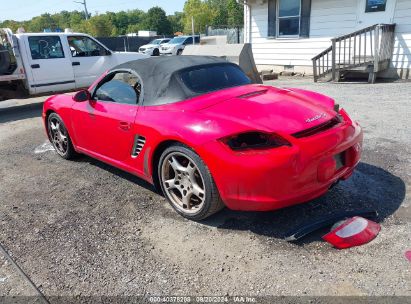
[87,229]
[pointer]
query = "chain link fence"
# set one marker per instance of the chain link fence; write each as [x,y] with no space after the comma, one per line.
[127,43]
[235,34]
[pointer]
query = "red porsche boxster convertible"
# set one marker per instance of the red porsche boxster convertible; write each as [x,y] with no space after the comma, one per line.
[201,131]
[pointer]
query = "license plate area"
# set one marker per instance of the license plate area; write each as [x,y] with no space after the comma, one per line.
[339,160]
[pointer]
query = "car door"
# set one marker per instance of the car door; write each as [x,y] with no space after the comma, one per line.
[89,59]
[188,41]
[104,126]
[50,66]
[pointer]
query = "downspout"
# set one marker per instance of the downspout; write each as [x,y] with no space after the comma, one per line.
[247,9]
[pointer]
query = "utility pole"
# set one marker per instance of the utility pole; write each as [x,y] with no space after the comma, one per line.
[85,7]
[192,28]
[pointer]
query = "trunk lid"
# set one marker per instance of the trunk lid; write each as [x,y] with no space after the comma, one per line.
[274,109]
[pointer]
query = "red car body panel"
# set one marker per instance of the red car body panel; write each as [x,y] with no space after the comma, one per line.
[248,180]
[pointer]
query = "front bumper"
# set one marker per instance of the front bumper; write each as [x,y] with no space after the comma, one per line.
[272,179]
[168,52]
[148,52]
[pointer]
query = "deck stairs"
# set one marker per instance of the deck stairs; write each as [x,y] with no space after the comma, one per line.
[368,51]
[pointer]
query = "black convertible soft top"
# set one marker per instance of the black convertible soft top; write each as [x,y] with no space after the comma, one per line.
[160,79]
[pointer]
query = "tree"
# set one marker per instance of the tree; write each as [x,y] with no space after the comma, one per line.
[77,22]
[99,26]
[42,22]
[221,16]
[176,22]
[156,20]
[13,25]
[120,22]
[235,13]
[202,12]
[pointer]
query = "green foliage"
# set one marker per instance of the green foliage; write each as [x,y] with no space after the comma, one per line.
[156,20]
[212,12]
[205,12]
[235,13]
[176,22]
[99,26]
[201,11]
[220,6]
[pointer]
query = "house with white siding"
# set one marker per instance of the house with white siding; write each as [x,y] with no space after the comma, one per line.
[287,34]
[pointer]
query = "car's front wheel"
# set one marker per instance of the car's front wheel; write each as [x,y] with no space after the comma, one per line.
[187,183]
[59,136]
[156,52]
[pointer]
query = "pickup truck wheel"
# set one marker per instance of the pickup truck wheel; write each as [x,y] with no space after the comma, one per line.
[4,60]
[59,137]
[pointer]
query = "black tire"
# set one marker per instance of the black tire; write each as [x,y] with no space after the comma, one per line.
[212,202]
[179,52]
[5,60]
[156,52]
[68,152]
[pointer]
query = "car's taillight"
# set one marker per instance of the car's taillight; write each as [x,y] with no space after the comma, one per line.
[254,140]
[353,232]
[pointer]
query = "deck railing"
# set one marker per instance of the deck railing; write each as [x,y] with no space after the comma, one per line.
[371,46]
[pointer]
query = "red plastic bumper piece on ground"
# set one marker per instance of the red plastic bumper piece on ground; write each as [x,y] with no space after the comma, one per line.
[352,232]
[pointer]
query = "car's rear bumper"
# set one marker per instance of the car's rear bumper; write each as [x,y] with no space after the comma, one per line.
[280,177]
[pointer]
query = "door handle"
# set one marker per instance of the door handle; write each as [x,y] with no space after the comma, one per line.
[75,63]
[35,66]
[125,125]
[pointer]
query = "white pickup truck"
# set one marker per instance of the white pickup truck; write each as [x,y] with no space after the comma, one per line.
[37,63]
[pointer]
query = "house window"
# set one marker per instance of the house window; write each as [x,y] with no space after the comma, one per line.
[289,18]
[289,13]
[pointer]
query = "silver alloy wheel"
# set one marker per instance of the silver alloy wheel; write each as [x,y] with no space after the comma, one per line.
[58,135]
[182,182]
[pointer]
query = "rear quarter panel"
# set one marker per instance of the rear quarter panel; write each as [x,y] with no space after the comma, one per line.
[190,128]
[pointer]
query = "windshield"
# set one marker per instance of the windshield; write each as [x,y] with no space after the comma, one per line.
[177,40]
[155,41]
[215,77]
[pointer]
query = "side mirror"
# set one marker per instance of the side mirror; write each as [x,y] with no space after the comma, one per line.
[108,52]
[82,96]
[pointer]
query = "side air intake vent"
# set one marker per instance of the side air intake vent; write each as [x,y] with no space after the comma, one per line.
[139,142]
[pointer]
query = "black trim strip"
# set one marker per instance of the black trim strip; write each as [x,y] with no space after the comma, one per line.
[51,83]
[319,128]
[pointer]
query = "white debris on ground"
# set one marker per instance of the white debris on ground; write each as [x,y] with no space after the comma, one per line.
[43,148]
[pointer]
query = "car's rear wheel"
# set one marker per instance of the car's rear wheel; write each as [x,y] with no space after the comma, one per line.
[187,183]
[59,136]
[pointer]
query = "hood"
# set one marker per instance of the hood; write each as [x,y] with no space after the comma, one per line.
[169,45]
[147,46]
[122,57]
[274,109]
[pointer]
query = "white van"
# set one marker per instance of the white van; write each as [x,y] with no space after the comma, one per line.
[176,45]
[53,62]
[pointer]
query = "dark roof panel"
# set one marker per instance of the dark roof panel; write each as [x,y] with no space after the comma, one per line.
[157,74]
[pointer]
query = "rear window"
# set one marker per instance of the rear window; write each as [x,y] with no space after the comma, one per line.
[45,47]
[213,78]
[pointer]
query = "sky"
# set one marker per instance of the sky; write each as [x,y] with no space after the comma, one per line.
[20,10]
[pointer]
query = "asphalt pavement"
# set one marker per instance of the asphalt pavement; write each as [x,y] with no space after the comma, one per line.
[83,228]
